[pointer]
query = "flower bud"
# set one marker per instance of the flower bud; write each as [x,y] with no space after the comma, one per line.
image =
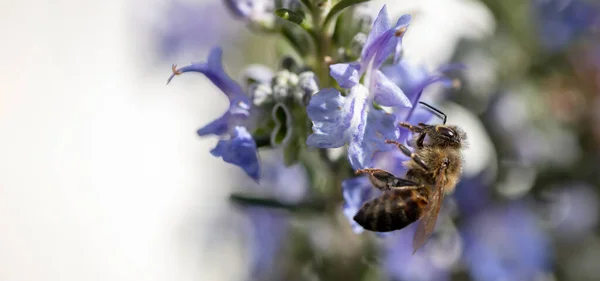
[261,94]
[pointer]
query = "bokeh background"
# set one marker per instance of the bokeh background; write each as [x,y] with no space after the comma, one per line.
[102,175]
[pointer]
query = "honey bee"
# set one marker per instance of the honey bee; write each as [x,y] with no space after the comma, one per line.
[434,169]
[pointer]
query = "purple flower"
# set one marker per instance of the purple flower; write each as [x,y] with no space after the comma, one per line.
[236,146]
[505,243]
[561,21]
[338,120]
[572,209]
[352,120]
[381,42]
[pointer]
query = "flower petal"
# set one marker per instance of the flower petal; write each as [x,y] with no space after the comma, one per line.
[381,126]
[380,44]
[356,111]
[239,102]
[414,79]
[218,127]
[338,120]
[380,26]
[387,93]
[403,21]
[325,110]
[345,74]
[240,150]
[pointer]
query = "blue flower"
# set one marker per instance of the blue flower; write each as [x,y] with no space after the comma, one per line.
[560,22]
[236,146]
[338,120]
[505,243]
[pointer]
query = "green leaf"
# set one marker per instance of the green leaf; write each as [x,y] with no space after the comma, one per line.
[339,7]
[291,152]
[290,15]
[314,204]
[298,37]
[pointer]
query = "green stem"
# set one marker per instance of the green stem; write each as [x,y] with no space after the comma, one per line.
[323,45]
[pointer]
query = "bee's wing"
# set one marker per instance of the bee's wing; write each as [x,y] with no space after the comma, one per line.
[427,222]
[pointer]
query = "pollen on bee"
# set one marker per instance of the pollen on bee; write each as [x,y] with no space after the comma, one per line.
[400,32]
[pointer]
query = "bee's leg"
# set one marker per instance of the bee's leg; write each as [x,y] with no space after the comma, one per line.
[384,180]
[408,153]
[421,139]
[412,128]
[421,129]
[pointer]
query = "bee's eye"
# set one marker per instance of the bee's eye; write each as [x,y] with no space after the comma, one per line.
[446,132]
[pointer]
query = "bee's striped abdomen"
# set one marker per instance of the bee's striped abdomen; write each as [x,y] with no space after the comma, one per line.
[393,210]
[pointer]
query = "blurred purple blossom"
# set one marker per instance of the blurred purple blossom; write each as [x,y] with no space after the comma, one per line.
[432,263]
[506,243]
[561,21]
[572,209]
[414,79]
[266,236]
[269,226]
[236,144]
[473,194]
[252,10]
[184,27]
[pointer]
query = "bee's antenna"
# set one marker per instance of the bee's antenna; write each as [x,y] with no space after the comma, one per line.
[436,110]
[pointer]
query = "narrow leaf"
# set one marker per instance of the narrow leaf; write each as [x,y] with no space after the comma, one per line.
[290,15]
[339,7]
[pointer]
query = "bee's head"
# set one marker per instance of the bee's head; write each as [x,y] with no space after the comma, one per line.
[446,135]
[450,135]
